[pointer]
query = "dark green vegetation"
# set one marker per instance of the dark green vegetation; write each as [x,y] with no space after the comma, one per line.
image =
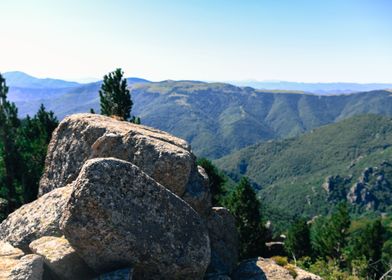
[245,207]
[341,248]
[114,96]
[216,118]
[305,176]
[217,181]
[23,145]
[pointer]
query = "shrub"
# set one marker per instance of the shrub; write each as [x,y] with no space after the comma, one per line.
[279,260]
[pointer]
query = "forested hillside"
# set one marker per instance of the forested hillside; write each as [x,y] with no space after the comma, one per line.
[216,118]
[304,176]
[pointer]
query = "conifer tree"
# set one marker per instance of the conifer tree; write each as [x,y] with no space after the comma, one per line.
[34,136]
[216,181]
[115,98]
[368,243]
[9,124]
[330,235]
[297,243]
[245,207]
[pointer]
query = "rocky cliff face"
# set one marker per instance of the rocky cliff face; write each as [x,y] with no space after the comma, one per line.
[119,201]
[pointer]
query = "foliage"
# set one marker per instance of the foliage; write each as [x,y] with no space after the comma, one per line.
[367,245]
[291,269]
[23,146]
[297,242]
[330,270]
[217,181]
[279,260]
[341,152]
[9,124]
[329,236]
[33,138]
[115,98]
[245,207]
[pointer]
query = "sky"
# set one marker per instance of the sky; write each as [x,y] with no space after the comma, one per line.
[211,40]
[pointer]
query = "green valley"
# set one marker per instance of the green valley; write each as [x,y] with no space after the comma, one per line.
[304,176]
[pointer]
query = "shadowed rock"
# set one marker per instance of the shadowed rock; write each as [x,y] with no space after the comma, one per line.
[118,216]
[224,241]
[36,219]
[61,258]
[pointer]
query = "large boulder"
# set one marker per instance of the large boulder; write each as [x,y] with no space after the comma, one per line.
[61,258]
[267,269]
[167,159]
[224,241]
[36,219]
[29,267]
[14,265]
[118,217]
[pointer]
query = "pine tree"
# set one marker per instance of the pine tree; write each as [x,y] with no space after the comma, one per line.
[216,181]
[297,243]
[330,235]
[9,124]
[34,136]
[368,243]
[245,207]
[115,98]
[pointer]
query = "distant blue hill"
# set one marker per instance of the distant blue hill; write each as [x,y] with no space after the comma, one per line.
[318,88]
[23,80]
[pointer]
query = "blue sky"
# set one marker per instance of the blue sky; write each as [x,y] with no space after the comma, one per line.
[294,40]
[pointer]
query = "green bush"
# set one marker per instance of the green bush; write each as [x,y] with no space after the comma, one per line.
[279,260]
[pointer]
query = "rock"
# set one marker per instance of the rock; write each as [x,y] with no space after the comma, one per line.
[29,267]
[60,257]
[167,159]
[212,276]
[36,219]
[8,251]
[224,241]
[119,217]
[304,275]
[121,274]
[249,270]
[15,266]
[263,269]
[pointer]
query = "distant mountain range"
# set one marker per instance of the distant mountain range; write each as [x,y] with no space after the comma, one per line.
[23,80]
[318,88]
[216,118]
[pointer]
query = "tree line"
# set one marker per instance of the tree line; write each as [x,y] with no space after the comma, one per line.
[23,145]
[336,247]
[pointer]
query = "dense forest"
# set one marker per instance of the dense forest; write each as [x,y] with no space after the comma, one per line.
[23,145]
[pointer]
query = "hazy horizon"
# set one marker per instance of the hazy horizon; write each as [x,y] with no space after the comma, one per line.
[301,41]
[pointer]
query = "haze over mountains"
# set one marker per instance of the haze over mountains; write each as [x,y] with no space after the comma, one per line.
[216,118]
[318,88]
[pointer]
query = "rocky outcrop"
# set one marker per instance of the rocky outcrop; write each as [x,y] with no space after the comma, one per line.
[119,216]
[36,219]
[121,201]
[61,258]
[224,241]
[167,159]
[29,267]
[15,266]
[267,269]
